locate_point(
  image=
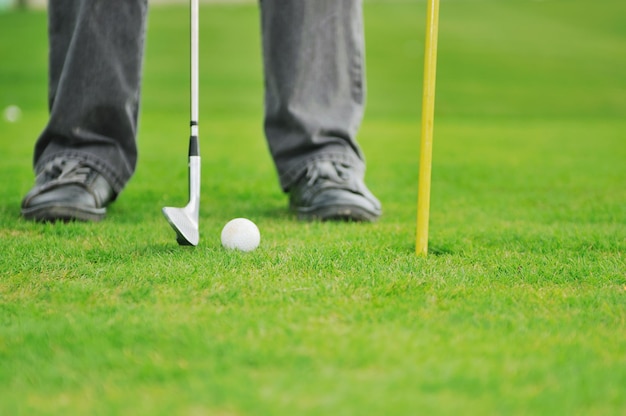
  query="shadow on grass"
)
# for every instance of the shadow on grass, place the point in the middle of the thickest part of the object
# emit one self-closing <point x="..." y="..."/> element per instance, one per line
<point x="441" y="250"/>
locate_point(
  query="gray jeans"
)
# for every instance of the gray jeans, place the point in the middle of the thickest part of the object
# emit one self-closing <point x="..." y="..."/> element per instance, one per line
<point x="314" y="83"/>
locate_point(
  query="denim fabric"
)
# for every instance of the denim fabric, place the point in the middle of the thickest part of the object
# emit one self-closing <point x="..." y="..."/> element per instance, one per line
<point x="95" y="59"/>
<point x="314" y="82"/>
<point x="314" y="79"/>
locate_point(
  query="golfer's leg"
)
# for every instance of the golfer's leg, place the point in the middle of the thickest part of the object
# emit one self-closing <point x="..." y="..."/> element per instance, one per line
<point x="314" y="80"/>
<point x="95" y="55"/>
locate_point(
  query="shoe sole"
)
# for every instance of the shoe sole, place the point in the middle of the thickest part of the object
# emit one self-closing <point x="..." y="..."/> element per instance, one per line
<point x="336" y="213"/>
<point x="53" y="213"/>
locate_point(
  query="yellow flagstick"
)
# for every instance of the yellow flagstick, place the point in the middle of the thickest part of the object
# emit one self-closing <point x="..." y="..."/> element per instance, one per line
<point x="428" y="115"/>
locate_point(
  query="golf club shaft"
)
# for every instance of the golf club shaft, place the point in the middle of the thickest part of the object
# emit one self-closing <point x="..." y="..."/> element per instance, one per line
<point x="193" y="145"/>
<point x="428" y="115"/>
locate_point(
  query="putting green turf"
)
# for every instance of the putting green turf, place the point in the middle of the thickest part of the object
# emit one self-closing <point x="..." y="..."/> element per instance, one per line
<point x="519" y="309"/>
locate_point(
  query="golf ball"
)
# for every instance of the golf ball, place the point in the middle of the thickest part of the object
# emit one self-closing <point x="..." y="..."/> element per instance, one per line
<point x="241" y="234"/>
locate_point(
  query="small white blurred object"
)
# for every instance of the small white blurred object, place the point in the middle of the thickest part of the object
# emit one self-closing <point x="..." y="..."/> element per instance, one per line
<point x="12" y="113"/>
<point x="6" y="4"/>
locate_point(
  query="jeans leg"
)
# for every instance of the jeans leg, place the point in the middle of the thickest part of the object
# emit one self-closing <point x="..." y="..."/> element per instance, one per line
<point x="314" y="82"/>
<point x="95" y="60"/>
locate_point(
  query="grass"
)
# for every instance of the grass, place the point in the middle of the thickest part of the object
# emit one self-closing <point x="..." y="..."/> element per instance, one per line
<point x="519" y="308"/>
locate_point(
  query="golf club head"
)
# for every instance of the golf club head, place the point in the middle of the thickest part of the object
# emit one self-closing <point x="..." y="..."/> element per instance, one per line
<point x="185" y="220"/>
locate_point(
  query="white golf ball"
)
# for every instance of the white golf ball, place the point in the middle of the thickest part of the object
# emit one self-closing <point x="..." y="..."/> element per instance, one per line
<point x="241" y="234"/>
<point x="12" y="113"/>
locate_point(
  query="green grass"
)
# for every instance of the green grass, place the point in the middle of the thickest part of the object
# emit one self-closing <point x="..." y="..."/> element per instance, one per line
<point x="519" y="309"/>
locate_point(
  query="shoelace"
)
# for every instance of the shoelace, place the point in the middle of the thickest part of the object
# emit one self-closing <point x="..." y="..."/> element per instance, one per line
<point x="333" y="171"/>
<point x="64" y="170"/>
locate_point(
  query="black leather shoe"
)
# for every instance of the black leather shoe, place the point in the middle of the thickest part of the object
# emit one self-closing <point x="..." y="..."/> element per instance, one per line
<point x="68" y="190"/>
<point x="332" y="191"/>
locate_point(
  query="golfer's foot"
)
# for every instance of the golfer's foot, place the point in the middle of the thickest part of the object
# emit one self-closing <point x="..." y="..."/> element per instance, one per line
<point x="332" y="191"/>
<point x="68" y="190"/>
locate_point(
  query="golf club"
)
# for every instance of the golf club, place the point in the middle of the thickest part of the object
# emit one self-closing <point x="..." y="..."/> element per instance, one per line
<point x="185" y="220"/>
<point x="428" y="115"/>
